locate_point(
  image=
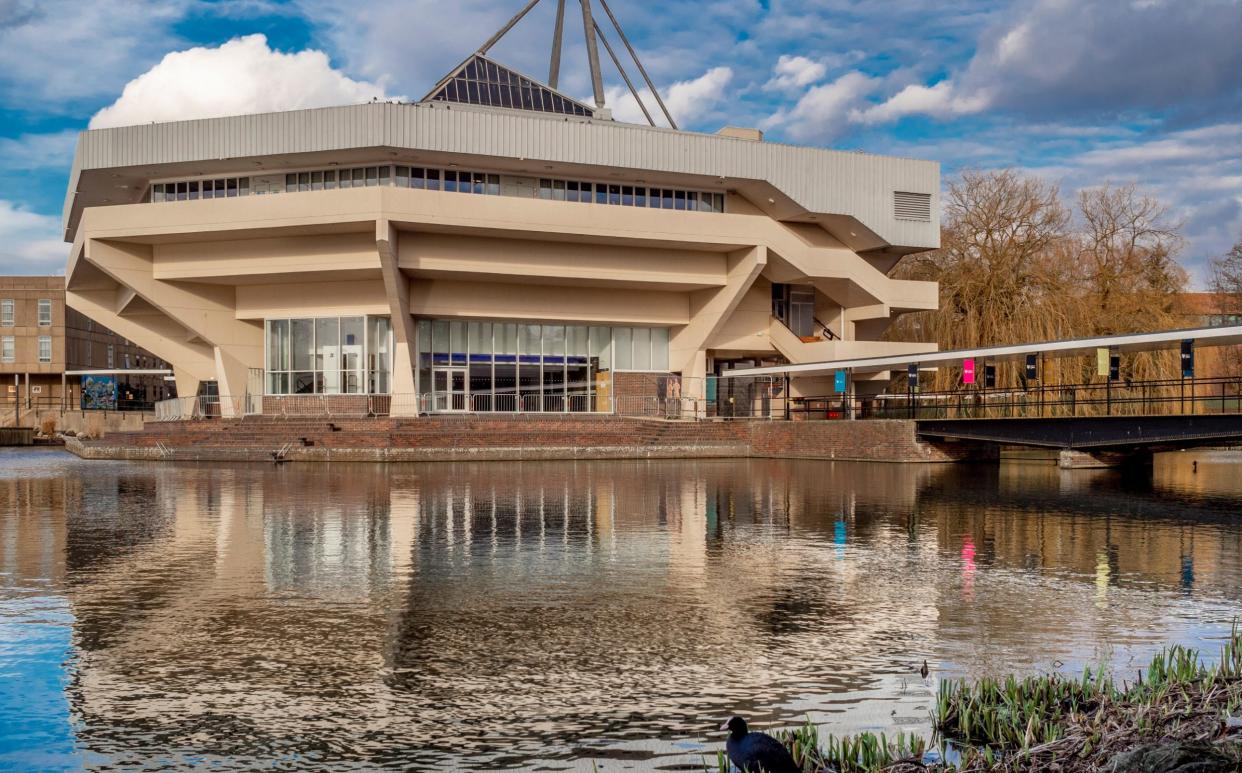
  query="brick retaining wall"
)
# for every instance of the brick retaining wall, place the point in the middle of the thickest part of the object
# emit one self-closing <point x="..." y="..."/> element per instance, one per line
<point x="495" y="438"/>
<point x="873" y="440"/>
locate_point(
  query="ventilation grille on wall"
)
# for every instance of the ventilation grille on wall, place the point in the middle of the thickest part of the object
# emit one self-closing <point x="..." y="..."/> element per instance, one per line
<point x="912" y="206"/>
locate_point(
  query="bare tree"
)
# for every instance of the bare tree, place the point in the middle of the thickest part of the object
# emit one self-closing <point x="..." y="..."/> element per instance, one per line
<point x="1002" y="277"/>
<point x="1226" y="286"/>
<point x="1128" y="249"/>
<point x="1226" y="281"/>
<point x="1012" y="269"/>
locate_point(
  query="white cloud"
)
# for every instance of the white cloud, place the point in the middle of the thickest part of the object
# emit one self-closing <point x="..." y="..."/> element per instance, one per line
<point x="1197" y="172"/>
<point x="939" y="100"/>
<point x="688" y="101"/>
<point x="1093" y="58"/>
<point x="795" y="72"/>
<point x="38" y="151"/>
<point x="239" y="77"/>
<point x="824" y="111"/>
<point x="60" y="52"/>
<point x="30" y="243"/>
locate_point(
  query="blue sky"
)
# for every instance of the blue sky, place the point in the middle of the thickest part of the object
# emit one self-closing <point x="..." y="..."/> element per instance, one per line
<point x="1082" y="92"/>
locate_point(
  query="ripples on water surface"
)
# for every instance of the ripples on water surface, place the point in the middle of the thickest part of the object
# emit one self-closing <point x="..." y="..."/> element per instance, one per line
<point x="545" y="615"/>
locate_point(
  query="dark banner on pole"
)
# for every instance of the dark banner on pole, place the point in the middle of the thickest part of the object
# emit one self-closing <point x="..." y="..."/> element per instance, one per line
<point x="989" y="376"/>
<point x="1188" y="359"/>
<point x="1032" y="368"/>
<point x="1114" y="367"/>
<point x="912" y="375"/>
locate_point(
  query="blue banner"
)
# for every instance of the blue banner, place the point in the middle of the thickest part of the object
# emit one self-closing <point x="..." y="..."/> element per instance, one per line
<point x="839" y="382"/>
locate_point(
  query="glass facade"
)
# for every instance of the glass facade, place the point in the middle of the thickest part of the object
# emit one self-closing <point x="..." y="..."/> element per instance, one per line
<point x="328" y="356"/>
<point x="481" y="81"/>
<point x="511" y="366"/>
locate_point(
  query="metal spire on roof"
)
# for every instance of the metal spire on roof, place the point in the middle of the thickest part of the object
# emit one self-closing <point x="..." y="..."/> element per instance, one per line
<point x="593" y="35"/>
<point x="554" y="68"/>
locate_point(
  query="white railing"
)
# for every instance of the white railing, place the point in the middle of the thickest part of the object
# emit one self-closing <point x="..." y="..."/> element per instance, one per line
<point x="188" y="408"/>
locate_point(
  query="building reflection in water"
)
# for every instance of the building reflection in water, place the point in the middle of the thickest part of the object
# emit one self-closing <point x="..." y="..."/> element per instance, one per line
<point x="495" y="614"/>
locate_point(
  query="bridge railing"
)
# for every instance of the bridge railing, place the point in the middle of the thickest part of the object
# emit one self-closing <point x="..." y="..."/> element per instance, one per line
<point x="1119" y="398"/>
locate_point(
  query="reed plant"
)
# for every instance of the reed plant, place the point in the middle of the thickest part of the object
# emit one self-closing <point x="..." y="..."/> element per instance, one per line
<point x="1053" y="722"/>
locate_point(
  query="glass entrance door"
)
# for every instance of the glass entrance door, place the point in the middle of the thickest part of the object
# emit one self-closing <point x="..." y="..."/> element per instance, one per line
<point x="450" y="390"/>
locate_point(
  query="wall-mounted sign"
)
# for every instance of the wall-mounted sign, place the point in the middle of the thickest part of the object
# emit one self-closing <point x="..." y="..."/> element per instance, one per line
<point x="968" y="371"/>
<point x="838" y="382"/>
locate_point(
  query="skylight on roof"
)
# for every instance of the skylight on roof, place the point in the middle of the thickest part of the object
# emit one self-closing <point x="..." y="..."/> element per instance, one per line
<point x="481" y="81"/>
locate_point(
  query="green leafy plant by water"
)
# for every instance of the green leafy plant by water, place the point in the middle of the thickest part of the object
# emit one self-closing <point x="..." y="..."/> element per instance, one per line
<point x="1054" y="722"/>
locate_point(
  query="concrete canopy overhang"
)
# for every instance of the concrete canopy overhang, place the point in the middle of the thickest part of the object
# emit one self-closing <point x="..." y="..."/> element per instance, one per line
<point x="844" y="193"/>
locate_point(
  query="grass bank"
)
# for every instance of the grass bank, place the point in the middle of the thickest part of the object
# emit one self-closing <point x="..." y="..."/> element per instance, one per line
<point x="1177" y="714"/>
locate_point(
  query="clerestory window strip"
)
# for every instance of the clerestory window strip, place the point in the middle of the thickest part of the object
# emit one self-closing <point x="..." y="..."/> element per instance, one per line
<point x="440" y="179"/>
<point x="617" y="194"/>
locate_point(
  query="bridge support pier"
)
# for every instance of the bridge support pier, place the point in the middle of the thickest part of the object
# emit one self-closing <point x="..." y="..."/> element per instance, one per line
<point x="1070" y="459"/>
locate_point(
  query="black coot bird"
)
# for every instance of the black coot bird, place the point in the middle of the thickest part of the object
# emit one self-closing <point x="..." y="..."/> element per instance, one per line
<point x="755" y="752"/>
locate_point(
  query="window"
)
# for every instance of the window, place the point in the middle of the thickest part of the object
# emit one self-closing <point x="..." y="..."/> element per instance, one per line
<point x="508" y="366"/>
<point x="328" y="355"/>
<point x="45" y="348"/>
<point x="629" y="195"/>
<point x="45" y="312"/>
<point x="226" y="187"/>
<point x="8" y="349"/>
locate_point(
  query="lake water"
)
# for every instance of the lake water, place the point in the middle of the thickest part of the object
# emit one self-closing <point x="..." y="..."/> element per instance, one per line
<point x="552" y="616"/>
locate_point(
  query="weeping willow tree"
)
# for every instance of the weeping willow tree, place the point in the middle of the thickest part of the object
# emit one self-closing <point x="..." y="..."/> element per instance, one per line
<point x="1016" y="265"/>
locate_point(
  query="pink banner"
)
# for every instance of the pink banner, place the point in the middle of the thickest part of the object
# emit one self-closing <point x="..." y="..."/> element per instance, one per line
<point x="968" y="371"/>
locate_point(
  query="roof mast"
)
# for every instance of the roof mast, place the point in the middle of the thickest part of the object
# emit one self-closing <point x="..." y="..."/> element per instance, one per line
<point x="481" y="81"/>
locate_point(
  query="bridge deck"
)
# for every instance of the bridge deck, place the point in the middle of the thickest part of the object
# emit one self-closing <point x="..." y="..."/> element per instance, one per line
<point x="1162" y="432"/>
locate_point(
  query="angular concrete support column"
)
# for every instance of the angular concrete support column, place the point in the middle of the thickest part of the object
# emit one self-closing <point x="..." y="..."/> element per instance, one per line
<point x="207" y="311"/>
<point x="709" y="311"/>
<point x="154" y="332"/>
<point x="231" y="379"/>
<point x="404" y="332"/>
<point x="187" y="382"/>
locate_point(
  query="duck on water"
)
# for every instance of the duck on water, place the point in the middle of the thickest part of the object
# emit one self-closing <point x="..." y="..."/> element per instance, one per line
<point x="754" y="752"/>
